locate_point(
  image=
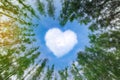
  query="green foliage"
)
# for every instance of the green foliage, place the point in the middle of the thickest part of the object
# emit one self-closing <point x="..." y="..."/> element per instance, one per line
<point x="17" y="55"/>
<point x="63" y="74"/>
<point x="39" y="70"/>
<point x="98" y="12"/>
<point x="99" y="61"/>
<point x="75" y="71"/>
<point x="51" y="8"/>
<point x="40" y="7"/>
<point x="49" y="73"/>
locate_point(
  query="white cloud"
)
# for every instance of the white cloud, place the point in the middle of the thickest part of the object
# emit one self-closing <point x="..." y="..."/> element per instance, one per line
<point x="60" y="43"/>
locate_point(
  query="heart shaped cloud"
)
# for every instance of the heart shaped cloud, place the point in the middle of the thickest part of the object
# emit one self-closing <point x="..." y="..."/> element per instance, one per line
<point x="60" y="43"/>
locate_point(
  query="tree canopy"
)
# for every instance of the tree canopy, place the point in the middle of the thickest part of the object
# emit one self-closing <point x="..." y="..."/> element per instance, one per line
<point x="99" y="61"/>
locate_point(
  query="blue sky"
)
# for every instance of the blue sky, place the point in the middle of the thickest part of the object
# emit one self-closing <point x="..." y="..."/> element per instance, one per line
<point x="47" y="23"/>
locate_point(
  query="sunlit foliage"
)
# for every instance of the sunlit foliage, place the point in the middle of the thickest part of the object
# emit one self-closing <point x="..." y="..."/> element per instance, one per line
<point x="18" y="52"/>
<point x="16" y="34"/>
